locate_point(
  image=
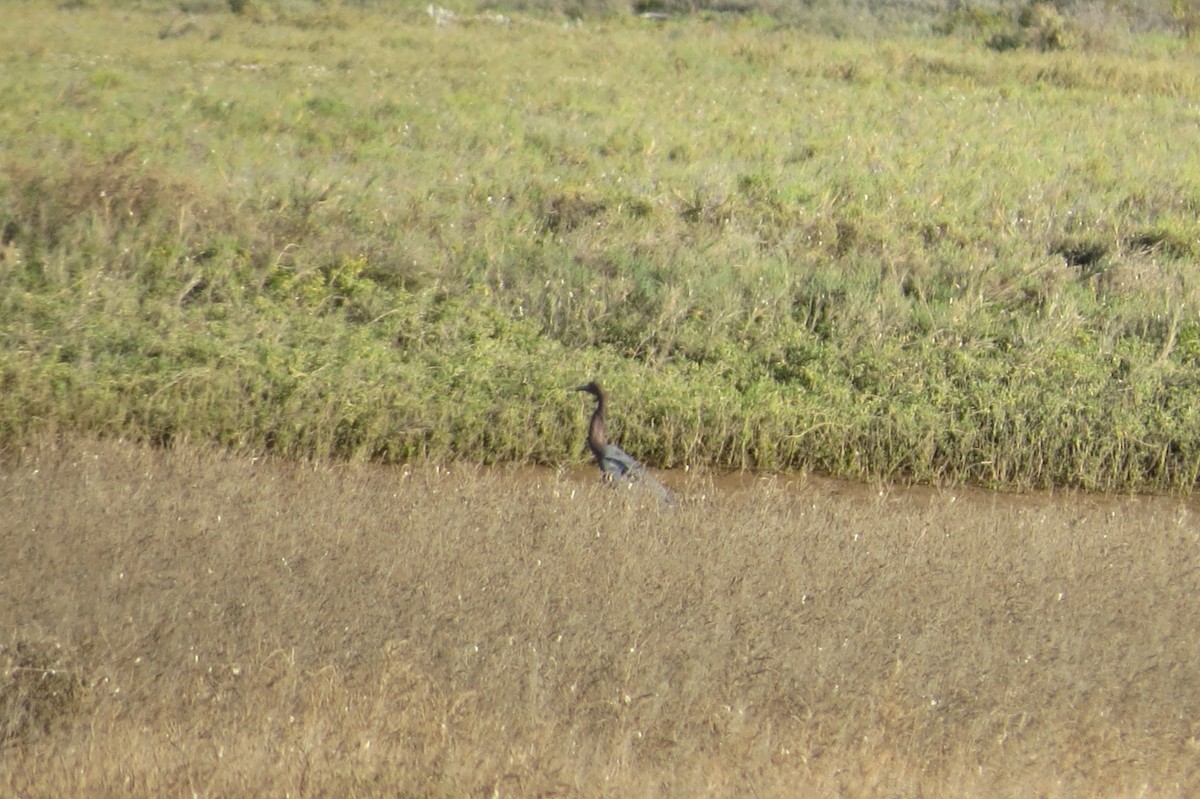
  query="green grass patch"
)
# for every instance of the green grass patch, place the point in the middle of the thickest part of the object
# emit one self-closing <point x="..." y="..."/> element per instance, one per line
<point x="354" y="232"/>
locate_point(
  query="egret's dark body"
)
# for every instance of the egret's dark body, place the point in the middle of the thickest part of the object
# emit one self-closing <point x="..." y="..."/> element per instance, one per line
<point x="615" y="463"/>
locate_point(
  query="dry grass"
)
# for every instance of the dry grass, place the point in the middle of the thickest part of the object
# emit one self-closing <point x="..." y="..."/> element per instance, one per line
<point x="185" y="623"/>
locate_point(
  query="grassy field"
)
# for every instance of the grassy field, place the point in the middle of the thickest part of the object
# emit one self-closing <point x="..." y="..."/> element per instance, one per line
<point x="186" y="623"/>
<point x="332" y="230"/>
<point x="291" y="295"/>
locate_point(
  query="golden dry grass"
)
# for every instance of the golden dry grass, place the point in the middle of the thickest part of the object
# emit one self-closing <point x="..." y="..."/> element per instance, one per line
<point x="186" y="623"/>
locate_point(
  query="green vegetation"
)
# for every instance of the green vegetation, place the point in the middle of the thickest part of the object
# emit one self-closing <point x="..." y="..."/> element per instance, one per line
<point x="348" y="231"/>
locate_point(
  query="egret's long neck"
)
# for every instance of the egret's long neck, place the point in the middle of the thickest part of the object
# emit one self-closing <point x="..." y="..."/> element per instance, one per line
<point x="596" y="437"/>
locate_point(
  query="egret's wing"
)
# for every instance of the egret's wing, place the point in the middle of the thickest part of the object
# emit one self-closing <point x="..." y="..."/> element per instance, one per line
<point x="620" y="465"/>
<point x="617" y="463"/>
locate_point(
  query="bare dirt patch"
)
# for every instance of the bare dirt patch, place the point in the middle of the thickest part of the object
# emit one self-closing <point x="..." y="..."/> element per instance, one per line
<point x="220" y="626"/>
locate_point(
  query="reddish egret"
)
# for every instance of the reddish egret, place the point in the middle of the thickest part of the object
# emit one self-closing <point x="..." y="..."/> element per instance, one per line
<point x="615" y="463"/>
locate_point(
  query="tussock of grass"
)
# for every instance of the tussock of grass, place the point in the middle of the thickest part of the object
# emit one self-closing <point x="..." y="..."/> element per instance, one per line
<point x="233" y="626"/>
<point x="38" y="693"/>
<point x="343" y="232"/>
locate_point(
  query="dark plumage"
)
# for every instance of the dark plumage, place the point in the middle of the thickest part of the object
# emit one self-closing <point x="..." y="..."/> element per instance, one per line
<point x="615" y="463"/>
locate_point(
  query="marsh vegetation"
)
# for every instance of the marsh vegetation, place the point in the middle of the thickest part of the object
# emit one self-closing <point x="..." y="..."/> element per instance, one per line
<point x="185" y="622"/>
<point x="344" y="230"/>
<point x="291" y="297"/>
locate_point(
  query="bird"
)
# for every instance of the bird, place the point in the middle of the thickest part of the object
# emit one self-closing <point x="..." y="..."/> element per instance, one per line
<point x="617" y="465"/>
